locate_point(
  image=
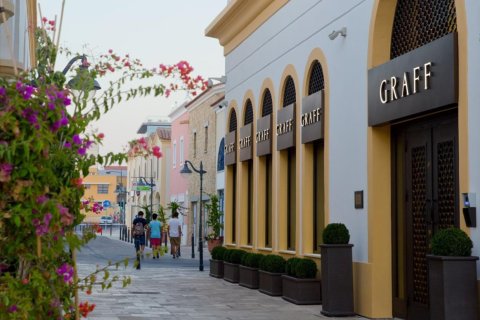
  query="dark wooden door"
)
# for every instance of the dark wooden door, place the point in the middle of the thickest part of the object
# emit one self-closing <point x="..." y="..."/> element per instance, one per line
<point x="431" y="200"/>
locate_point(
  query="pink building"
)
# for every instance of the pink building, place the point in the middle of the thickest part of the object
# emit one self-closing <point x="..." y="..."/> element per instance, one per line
<point x="178" y="184"/>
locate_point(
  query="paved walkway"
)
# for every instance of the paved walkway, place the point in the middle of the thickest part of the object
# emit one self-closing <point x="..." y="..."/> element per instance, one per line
<point x="169" y="288"/>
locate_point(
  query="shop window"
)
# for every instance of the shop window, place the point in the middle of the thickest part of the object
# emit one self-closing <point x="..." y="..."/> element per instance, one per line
<point x="221" y="156"/>
<point x="267" y="108"/>
<point x="102" y="188"/>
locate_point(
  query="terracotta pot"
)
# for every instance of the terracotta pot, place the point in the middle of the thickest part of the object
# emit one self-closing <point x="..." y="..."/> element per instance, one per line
<point x="212" y="243"/>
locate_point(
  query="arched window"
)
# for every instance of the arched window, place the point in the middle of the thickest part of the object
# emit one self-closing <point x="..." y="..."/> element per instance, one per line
<point x="289" y="94"/>
<point x="267" y="105"/>
<point x="267" y="108"/>
<point x="316" y="82"/>
<point x="249" y="163"/>
<point x="221" y="156"/>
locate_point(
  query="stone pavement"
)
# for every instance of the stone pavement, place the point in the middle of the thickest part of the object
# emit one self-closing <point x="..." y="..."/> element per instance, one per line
<point x="169" y="288"/>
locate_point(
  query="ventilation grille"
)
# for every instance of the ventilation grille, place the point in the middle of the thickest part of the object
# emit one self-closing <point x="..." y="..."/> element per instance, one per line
<point x="233" y="121"/>
<point x="289" y="95"/>
<point x="418" y="22"/>
<point x="248" y="112"/>
<point x="316" y="82"/>
<point x="267" y="103"/>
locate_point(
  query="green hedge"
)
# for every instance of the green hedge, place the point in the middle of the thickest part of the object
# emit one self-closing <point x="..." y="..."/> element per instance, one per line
<point x="290" y="266"/>
<point x="302" y="268"/>
<point x="218" y="253"/>
<point x="251" y="260"/>
<point x="272" y="263"/>
<point x="451" y="242"/>
<point x="235" y="256"/>
<point x="336" y="233"/>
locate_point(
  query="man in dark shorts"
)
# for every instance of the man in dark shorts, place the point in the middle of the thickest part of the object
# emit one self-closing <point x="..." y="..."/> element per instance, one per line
<point x="138" y="234"/>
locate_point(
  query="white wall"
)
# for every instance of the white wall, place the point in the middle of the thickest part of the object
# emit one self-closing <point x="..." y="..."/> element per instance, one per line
<point x="288" y="37"/>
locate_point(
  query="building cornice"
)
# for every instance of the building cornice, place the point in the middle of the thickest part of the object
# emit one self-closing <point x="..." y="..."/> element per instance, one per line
<point x="239" y="20"/>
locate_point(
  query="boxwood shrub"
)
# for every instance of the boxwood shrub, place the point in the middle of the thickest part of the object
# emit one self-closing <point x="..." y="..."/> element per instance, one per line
<point x="218" y="253"/>
<point x="226" y="254"/>
<point x="272" y="263"/>
<point x="251" y="259"/>
<point x="336" y="233"/>
<point x="290" y="266"/>
<point x="235" y="256"/>
<point x="305" y="269"/>
<point x="451" y="242"/>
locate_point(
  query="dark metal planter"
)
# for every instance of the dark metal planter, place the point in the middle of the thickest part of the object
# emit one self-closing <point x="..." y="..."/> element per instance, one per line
<point x="230" y="272"/>
<point x="216" y="268"/>
<point x="270" y="283"/>
<point x="301" y="291"/>
<point x="337" y="280"/>
<point x="452" y="287"/>
<point x="248" y="277"/>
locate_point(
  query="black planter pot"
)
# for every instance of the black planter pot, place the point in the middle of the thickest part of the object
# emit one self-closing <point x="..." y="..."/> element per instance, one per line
<point x="452" y="287"/>
<point x="337" y="280"/>
<point x="301" y="291"/>
<point x="270" y="283"/>
<point x="230" y="272"/>
<point x="248" y="277"/>
<point x="216" y="268"/>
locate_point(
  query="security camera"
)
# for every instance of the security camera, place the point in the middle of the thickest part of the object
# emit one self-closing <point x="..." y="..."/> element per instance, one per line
<point x="223" y="104"/>
<point x="334" y="34"/>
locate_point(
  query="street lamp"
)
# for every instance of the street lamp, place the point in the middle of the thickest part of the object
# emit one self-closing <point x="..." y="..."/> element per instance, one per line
<point x="150" y="184"/>
<point x="122" y="194"/>
<point x="185" y="171"/>
<point x="82" y="82"/>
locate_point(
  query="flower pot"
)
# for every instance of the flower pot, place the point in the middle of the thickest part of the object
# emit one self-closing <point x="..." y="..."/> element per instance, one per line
<point x="248" y="277"/>
<point x="270" y="283"/>
<point x="337" y="280"/>
<point x="230" y="272"/>
<point x="452" y="287"/>
<point x="301" y="291"/>
<point x="216" y="268"/>
<point x="212" y="243"/>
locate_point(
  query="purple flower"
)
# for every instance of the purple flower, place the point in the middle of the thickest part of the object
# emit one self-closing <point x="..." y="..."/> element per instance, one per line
<point x="31" y="116"/>
<point x="77" y="139"/>
<point x="67" y="145"/>
<point x="82" y="151"/>
<point x="13" y="308"/>
<point x="87" y="143"/>
<point x="67" y="102"/>
<point x="55" y="126"/>
<point x="42" y="199"/>
<point x="66" y="271"/>
<point x="3" y="91"/>
<point x="42" y="228"/>
<point x="5" y="171"/>
<point x="25" y="90"/>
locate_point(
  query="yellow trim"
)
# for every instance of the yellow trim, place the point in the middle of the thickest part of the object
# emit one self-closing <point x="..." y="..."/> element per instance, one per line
<point x="259" y="173"/>
<point x="32" y="23"/>
<point x="307" y="151"/>
<point x="240" y="19"/>
<point x="229" y="186"/>
<point x="242" y="178"/>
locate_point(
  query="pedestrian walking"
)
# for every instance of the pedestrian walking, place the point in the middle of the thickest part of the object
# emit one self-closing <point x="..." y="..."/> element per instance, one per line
<point x="175" y="232"/>
<point x="138" y="234"/>
<point x="155" y="228"/>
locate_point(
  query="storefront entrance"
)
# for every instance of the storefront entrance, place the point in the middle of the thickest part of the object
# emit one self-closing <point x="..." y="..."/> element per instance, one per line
<point x="425" y="194"/>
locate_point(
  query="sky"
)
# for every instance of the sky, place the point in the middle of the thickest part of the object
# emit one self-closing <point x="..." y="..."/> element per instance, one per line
<point x="154" y="31"/>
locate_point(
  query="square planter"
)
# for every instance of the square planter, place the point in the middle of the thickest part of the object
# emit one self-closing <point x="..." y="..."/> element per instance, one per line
<point x="248" y="277"/>
<point x="270" y="283"/>
<point x="301" y="291"/>
<point x="230" y="272"/>
<point x="337" y="280"/>
<point x="452" y="287"/>
<point x="216" y="268"/>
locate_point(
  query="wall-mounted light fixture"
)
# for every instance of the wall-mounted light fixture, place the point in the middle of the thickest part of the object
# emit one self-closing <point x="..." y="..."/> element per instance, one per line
<point x="223" y="104"/>
<point x="335" y="33"/>
<point x="221" y="79"/>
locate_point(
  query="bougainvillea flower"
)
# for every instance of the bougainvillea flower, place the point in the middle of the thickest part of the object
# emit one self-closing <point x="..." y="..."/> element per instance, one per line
<point x="42" y="199"/>
<point x="13" y="308"/>
<point x="5" y="172"/>
<point x="157" y="152"/>
<point x="66" y="271"/>
<point x="82" y="151"/>
<point x="25" y="90"/>
<point x="100" y="136"/>
<point x="85" y="308"/>
<point x="66" y="218"/>
<point x="77" y="182"/>
<point x="77" y="139"/>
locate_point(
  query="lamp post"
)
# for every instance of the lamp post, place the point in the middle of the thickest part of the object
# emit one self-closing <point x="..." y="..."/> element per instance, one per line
<point x="151" y="185"/>
<point x="122" y="194"/>
<point x="186" y="171"/>
<point x="82" y="82"/>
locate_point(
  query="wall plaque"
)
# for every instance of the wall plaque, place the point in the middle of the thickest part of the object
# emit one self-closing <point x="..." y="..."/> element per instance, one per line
<point x="311" y="120"/>
<point x="245" y="143"/>
<point x="285" y="129"/>
<point x="231" y="148"/>
<point x="263" y="136"/>
<point x="422" y="80"/>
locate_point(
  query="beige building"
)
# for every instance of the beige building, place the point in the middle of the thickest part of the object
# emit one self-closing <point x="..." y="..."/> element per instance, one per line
<point x="202" y="148"/>
<point x="100" y="188"/>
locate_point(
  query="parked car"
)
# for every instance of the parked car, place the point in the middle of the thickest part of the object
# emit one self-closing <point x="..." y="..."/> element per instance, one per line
<point x="106" y="219"/>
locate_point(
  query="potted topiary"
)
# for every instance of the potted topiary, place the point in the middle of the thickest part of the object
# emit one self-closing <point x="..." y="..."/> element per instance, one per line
<point x="271" y="269"/>
<point x="214" y="222"/>
<point x="337" y="271"/>
<point x="299" y="284"/>
<point x="248" y="270"/>
<point x="452" y="275"/>
<point x="216" y="262"/>
<point x="230" y="265"/>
